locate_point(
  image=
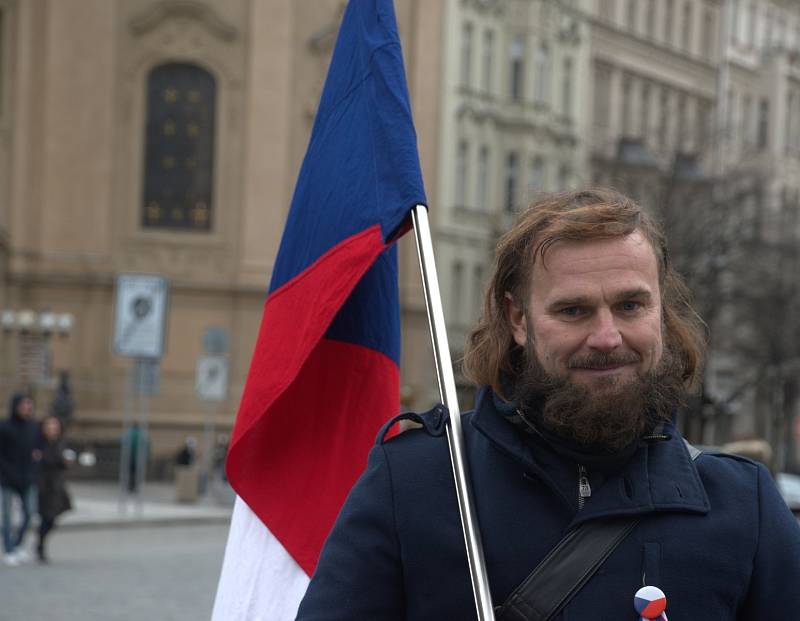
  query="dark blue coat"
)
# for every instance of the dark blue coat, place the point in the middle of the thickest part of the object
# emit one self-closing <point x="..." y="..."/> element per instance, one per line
<point x="715" y="536"/>
<point x="19" y="437"/>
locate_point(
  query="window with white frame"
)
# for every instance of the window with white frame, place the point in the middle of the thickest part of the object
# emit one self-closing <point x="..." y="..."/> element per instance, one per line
<point x="632" y="14"/>
<point x="512" y="180"/>
<point x="488" y="60"/>
<point x="541" y="88"/>
<point x="752" y="20"/>
<point x="537" y="172"/>
<point x="466" y="54"/>
<point x="517" y="67"/>
<point x="482" y="178"/>
<point x="567" y="79"/>
<point x="645" y="112"/>
<point x="669" y="21"/>
<point x="730" y="122"/>
<point x="663" y="119"/>
<point x="564" y="177"/>
<point x="780" y="29"/>
<point x="790" y="120"/>
<point x="456" y="290"/>
<point x="708" y="38"/>
<point x="627" y="105"/>
<point x="477" y="288"/>
<point x="687" y="27"/>
<point x="683" y="121"/>
<point x="763" y="123"/>
<point x="602" y="94"/>
<point x="704" y="122"/>
<point x="746" y="122"/>
<point x="766" y="38"/>
<point x="650" y="17"/>
<point x="462" y="163"/>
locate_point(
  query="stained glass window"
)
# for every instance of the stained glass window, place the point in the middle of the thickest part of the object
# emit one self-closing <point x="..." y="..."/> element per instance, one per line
<point x="179" y="148"/>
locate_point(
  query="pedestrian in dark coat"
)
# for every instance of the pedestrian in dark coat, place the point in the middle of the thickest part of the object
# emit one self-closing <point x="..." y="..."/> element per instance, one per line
<point x="63" y="405"/>
<point x="53" y="496"/>
<point x="585" y="347"/>
<point x="19" y="453"/>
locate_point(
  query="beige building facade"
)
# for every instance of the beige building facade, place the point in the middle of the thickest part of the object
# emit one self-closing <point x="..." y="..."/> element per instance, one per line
<point x="88" y="191"/>
<point x="654" y="86"/>
<point x="510" y="98"/>
<point x="511" y="127"/>
<point x="693" y="108"/>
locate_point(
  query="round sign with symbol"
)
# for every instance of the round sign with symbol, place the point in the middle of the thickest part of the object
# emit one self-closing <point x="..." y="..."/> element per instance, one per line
<point x="211" y="379"/>
<point x="141" y="306"/>
<point x="140" y="315"/>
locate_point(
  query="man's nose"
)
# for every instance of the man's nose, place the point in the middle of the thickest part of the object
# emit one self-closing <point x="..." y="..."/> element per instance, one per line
<point x="605" y="335"/>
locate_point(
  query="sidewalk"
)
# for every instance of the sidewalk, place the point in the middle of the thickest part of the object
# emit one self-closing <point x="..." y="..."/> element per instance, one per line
<point x="98" y="504"/>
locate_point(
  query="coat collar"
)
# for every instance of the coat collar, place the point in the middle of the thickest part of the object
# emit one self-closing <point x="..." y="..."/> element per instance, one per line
<point x="660" y="477"/>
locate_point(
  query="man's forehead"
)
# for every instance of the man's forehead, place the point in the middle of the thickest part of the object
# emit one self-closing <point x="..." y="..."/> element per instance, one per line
<point x="634" y="245"/>
<point x="630" y="260"/>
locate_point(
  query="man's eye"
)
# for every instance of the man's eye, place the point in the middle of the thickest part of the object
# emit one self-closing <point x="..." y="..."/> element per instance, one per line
<point x="630" y="307"/>
<point x="571" y="311"/>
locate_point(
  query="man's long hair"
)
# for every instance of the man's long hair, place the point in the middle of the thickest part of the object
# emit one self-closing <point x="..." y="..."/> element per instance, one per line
<point x="491" y="352"/>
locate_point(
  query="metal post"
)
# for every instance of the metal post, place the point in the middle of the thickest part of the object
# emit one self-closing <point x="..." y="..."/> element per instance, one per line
<point x="141" y="457"/>
<point x="125" y="439"/>
<point x="447" y="392"/>
<point x="208" y="448"/>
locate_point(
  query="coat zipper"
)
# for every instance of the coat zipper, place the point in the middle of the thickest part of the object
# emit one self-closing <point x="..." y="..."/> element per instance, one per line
<point x="584" y="489"/>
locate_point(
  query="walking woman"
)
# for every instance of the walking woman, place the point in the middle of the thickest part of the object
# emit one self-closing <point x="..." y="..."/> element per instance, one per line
<point x="53" y="497"/>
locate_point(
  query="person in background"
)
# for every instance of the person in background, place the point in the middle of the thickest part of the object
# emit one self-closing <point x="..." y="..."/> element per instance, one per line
<point x="63" y="403"/>
<point x="53" y="496"/>
<point x="19" y="453"/>
<point x="186" y="455"/>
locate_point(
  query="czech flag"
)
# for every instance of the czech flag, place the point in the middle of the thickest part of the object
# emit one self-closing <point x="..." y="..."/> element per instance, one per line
<point x="324" y="376"/>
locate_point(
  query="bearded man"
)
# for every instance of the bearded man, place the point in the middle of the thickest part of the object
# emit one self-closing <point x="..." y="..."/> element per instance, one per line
<point x="586" y="346"/>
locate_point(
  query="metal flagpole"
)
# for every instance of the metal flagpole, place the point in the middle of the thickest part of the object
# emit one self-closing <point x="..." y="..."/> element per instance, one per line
<point x="447" y="392"/>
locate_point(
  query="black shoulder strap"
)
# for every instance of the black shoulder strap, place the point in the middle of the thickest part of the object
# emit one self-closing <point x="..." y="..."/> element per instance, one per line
<point x="568" y="566"/>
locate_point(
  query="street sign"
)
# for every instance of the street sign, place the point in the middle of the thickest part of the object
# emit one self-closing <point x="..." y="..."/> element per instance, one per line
<point x="140" y="313"/>
<point x="215" y="341"/>
<point x="148" y="376"/>
<point x="211" y="379"/>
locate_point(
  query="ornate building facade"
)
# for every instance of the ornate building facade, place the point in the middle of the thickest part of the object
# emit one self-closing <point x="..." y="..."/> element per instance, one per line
<point x="164" y="137"/>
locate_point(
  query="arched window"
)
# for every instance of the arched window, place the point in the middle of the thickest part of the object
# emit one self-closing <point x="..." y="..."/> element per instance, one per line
<point x="179" y="148"/>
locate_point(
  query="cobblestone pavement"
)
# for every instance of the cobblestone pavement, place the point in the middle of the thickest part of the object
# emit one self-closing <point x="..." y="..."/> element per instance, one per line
<point x="167" y="573"/>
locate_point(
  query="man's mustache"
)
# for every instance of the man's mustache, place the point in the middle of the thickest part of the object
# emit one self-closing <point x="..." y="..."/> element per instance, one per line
<point x="600" y="360"/>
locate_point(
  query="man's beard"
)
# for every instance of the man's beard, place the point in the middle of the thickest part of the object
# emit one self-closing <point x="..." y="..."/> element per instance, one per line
<point x="610" y="413"/>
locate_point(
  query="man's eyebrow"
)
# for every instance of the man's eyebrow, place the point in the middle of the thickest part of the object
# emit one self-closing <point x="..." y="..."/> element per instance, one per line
<point x="579" y="300"/>
<point x="639" y="293"/>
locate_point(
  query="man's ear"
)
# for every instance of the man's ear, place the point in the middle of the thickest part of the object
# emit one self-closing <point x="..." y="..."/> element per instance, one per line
<point x="515" y="315"/>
